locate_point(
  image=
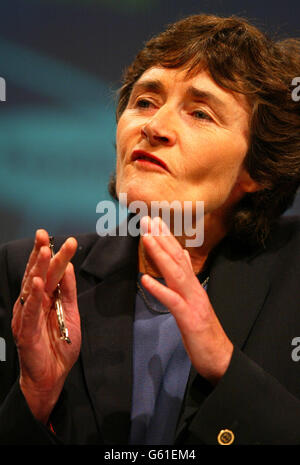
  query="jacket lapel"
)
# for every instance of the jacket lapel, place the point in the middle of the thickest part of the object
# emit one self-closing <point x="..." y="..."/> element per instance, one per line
<point x="237" y="289"/>
<point x="107" y="312"/>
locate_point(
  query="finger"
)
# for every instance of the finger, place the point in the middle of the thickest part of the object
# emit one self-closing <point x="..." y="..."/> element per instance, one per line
<point x="169" y="298"/>
<point x="189" y="259"/>
<point x="149" y="227"/>
<point x="189" y="315"/>
<point x="174" y="249"/>
<point x="31" y="312"/>
<point x="170" y="244"/>
<point x="174" y="275"/>
<point x="173" y="265"/>
<point x="59" y="264"/>
<point x="41" y="239"/>
<point x="158" y="229"/>
<point x="39" y="269"/>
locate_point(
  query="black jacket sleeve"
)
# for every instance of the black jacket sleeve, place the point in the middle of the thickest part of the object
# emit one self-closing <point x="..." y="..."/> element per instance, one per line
<point x="17" y="424"/>
<point x="250" y="403"/>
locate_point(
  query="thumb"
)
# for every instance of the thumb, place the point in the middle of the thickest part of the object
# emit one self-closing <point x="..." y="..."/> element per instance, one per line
<point x="68" y="285"/>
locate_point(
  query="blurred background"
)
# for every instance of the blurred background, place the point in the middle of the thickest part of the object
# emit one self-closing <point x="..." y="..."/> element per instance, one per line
<point x="62" y="61"/>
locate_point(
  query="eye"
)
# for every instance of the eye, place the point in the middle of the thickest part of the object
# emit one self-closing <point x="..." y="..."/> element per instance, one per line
<point x="199" y="114"/>
<point x="143" y="103"/>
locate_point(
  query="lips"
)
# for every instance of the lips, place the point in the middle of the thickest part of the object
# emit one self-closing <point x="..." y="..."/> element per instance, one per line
<point x="141" y="155"/>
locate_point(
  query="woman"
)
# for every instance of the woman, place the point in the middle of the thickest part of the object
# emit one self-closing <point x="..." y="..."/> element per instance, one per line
<point x="177" y="345"/>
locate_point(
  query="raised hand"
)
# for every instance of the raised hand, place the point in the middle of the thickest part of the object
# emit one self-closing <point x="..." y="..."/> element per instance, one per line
<point x="205" y="341"/>
<point x="45" y="359"/>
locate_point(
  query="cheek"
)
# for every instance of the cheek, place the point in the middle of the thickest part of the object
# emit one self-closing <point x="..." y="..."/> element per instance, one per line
<point x="120" y="143"/>
<point x="128" y="129"/>
<point x="215" y="165"/>
<point x="125" y="140"/>
<point x="227" y="156"/>
<point x="120" y="137"/>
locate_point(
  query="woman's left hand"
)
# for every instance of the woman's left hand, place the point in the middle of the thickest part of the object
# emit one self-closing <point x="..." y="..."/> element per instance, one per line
<point x="204" y="339"/>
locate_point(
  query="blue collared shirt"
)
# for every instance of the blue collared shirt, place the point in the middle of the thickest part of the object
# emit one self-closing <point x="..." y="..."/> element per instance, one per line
<point x="161" y="370"/>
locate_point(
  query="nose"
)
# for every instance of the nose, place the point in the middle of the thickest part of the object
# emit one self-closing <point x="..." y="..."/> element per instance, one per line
<point x="160" y="128"/>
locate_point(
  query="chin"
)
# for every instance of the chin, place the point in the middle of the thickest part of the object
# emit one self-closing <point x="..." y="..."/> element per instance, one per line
<point x="135" y="192"/>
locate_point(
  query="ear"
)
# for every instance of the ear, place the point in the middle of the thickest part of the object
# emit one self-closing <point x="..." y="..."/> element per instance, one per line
<point x="246" y="183"/>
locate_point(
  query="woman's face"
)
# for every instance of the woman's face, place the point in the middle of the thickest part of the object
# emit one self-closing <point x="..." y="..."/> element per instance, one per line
<point x="197" y="131"/>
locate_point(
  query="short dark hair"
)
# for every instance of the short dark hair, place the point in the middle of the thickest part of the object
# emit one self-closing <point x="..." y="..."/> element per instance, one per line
<point x="243" y="59"/>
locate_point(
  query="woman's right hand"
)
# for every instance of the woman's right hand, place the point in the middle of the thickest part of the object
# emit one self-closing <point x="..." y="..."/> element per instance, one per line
<point x="45" y="359"/>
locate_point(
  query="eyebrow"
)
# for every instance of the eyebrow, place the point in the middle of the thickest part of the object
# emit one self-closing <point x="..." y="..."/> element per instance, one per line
<point x="157" y="87"/>
<point x="210" y="97"/>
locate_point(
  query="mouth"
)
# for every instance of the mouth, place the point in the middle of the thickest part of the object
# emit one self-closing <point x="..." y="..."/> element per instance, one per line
<point x="141" y="156"/>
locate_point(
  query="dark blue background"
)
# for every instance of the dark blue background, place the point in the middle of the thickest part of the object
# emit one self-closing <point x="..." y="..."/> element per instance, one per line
<point x="62" y="61"/>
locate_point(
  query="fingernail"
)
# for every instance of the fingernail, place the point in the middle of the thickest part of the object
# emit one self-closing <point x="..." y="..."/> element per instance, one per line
<point x="155" y="226"/>
<point x="144" y="225"/>
<point x="164" y="228"/>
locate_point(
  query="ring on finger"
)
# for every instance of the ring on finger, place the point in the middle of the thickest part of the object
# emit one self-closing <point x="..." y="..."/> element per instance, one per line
<point x="22" y="300"/>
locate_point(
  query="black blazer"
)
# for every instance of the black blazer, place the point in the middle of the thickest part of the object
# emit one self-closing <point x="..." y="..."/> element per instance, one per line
<point x="256" y="297"/>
